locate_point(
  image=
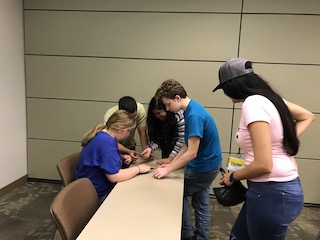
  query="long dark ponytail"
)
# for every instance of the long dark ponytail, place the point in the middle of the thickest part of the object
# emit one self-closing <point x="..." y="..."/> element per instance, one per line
<point x="252" y="84"/>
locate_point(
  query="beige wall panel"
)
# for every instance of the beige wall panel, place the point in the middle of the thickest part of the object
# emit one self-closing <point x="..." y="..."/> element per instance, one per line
<point x="296" y="83"/>
<point x="63" y="120"/>
<point x="138" y="5"/>
<point x="281" y="38"/>
<point x="103" y="79"/>
<point x="44" y="155"/>
<point x="143" y="35"/>
<point x="222" y="118"/>
<point x="199" y="81"/>
<point x="283" y="6"/>
<point x="310" y="177"/>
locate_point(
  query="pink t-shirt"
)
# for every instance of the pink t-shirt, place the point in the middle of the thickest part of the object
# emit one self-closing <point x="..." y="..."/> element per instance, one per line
<point x="259" y="108"/>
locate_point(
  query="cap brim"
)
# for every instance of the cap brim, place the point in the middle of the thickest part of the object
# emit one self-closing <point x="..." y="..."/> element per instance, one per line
<point x="216" y="88"/>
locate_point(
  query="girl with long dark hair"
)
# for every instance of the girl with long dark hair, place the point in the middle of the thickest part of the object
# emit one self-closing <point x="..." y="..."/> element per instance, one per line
<point x="165" y="131"/>
<point x="268" y="134"/>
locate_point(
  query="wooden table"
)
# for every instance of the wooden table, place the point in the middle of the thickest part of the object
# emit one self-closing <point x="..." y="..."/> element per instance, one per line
<point x="140" y="208"/>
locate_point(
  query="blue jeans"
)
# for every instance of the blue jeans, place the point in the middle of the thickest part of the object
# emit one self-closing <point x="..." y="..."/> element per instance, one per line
<point x="269" y="209"/>
<point x="197" y="185"/>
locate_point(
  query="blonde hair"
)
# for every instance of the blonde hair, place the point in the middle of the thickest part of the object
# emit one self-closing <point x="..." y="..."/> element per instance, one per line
<point x="91" y="133"/>
<point x="119" y="120"/>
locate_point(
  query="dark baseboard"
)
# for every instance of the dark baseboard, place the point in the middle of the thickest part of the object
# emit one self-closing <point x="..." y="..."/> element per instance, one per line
<point x="317" y="205"/>
<point x="45" y="180"/>
<point x="18" y="183"/>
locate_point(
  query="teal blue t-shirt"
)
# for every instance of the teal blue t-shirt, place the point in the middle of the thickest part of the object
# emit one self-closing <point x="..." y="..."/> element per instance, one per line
<point x="199" y="123"/>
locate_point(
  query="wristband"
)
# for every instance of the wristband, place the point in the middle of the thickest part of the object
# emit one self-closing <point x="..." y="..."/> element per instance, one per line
<point x="153" y="146"/>
<point x="139" y="169"/>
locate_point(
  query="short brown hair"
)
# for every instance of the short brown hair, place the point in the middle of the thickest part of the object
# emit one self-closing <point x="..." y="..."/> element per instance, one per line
<point x="170" y="88"/>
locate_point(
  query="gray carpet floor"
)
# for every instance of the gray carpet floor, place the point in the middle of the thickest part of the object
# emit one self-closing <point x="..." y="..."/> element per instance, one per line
<point x="24" y="215"/>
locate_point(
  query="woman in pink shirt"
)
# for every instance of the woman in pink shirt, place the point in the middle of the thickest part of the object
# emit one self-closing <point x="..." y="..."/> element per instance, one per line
<point x="268" y="134"/>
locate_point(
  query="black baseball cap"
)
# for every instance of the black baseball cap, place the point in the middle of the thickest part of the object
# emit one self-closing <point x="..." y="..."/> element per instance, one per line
<point x="233" y="68"/>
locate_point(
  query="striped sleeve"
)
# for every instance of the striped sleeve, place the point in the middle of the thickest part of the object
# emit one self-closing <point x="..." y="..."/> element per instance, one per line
<point x="180" y="128"/>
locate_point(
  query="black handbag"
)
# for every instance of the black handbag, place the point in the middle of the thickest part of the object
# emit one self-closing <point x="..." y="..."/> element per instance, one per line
<point x="231" y="195"/>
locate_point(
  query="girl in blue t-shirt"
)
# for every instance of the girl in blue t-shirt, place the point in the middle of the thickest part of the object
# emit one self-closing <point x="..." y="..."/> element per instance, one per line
<point x="100" y="159"/>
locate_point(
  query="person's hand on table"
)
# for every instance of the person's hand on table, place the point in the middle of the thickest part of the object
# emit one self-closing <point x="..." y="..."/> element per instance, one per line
<point x="127" y="159"/>
<point x="161" y="171"/>
<point x="164" y="161"/>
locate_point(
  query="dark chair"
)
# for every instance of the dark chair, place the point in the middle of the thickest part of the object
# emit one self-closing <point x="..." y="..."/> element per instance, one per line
<point x="73" y="207"/>
<point x="67" y="168"/>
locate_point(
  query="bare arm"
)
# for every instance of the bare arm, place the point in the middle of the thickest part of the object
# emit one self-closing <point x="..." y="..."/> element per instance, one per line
<point x="185" y="155"/>
<point x="302" y="116"/>
<point x="182" y="150"/>
<point x="143" y="137"/>
<point x="190" y="154"/>
<point x="128" y="173"/>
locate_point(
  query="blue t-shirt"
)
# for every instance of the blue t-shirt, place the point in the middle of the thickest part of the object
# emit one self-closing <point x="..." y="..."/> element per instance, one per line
<point x="199" y="123"/>
<point x="100" y="157"/>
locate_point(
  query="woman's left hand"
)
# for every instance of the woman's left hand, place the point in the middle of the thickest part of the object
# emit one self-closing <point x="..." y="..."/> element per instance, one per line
<point x="225" y="180"/>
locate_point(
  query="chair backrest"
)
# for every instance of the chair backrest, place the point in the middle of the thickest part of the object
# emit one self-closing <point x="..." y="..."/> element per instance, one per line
<point x="73" y="207"/>
<point x="67" y="168"/>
